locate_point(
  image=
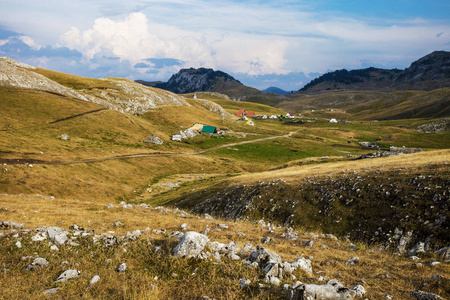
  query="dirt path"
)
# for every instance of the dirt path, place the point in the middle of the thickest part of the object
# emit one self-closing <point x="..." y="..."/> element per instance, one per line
<point x="157" y="154"/>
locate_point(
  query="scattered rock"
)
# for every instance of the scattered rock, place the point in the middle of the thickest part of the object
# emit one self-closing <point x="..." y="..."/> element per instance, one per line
<point x="121" y="268"/>
<point x="153" y="139"/>
<point x="37" y="264"/>
<point x="52" y="291"/>
<point x="308" y="243"/>
<point x="266" y="240"/>
<point x="94" y="279"/>
<point x="118" y="224"/>
<point x="418" y="248"/>
<point x="420" y="295"/>
<point x="10" y="225"/>
<point x="68" y="274"/>
<point x="352" y="261"/>
<point x="57" y="235"/>
<point x="191" y="244"/>
<point x="243" y="283"/>
<point x="444" y="253"/>
<point x="332" y="290"/>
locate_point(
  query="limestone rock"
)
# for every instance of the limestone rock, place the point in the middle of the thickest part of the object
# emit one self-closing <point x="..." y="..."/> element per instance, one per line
<point x="52" y="291"/>
<point x="68" y="274"/>
<point x="263" y="256"/>
<point x="303" y="264"/>
<point x="121" y="268"/>
<point x="352" y="261"/>
<point x="153" y="139"/>
<point x="10" y="225"/>
<point x="191" y="244"/>
<point x="420" y="295"/>
<point x="444" y="253"/>
<point x="243" y="283"/>
<point x="57" y="235"/>
<point x="94" y="279"/>
<point x="37" y="264"/>
<point x="332" y="290"/>
<point x="418" y="248"/>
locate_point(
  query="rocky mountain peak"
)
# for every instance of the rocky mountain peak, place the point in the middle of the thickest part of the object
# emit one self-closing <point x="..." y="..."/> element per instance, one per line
<point x="196" y="80"/>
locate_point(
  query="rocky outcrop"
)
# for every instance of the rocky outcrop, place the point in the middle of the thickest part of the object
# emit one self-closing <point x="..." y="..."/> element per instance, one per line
<point x="121" y="94"/>
<point x="191" y="244"/>
<point x="332" y="290"/>
<point x="13" y="73"/>
<point x="435" y="127"/>
<point x="214" y="107"/>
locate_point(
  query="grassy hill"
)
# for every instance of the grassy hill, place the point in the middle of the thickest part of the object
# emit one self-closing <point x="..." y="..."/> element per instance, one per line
<point x="296" y="167"/>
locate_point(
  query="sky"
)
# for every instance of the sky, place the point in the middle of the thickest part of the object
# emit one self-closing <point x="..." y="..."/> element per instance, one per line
<point x="261" y="43"/>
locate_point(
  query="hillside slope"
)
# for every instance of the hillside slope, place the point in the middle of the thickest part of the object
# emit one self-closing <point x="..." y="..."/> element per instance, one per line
<point x="118" y="94"/>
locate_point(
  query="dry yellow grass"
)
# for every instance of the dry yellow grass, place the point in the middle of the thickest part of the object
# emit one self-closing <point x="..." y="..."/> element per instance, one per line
<point x="140" y="282"/>
<point x="385" y="163"/>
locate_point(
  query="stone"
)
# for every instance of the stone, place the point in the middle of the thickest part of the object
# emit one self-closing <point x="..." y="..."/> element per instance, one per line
<point x="118" y="224"/>
<point x="94" y="279"/>
<point x="184" y="226"/>
<point x="121" y="268"/>
<point x="37" y="264"/>
<point x="352" y="261"/>
<point x="52" y="291"/>
<point x="18" y="244"/>
<point x="243" y="283"/>
<point x="266" y="240"/>
<point x="274" y="281"/>
<point x="418" y="248"/>
<point x="420" y="295"/>
<point x="222" y="226"/>
<point x="263" y="256"/>
<point x="10" y="225"/>
<point x="404" y="240"/>
<point x="359" y="290"/>
<point x="110" y="240"/>
<point x="54" y="248"/>
<point x="57" y="235"/>
<point x="444" y="253"/>
<point x="153" y="139"/>
<point x="332" y="290"/>
<point x="68" y="274"/>
<point x="308" y="243"/>
<point x="303" y="264"/>
<point x="191" y="244"/>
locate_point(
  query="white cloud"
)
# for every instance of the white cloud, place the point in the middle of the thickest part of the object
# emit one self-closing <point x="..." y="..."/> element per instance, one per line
<point x="135" y="40"/>
<point x="30" y="42"/>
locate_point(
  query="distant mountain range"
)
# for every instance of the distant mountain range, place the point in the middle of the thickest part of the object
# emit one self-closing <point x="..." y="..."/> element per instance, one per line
<point x="275" y="90"/>
<point x="428" y="73"/>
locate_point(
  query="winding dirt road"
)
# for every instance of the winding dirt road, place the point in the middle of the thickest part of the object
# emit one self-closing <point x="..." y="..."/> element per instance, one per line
<point x="157" y="154"/>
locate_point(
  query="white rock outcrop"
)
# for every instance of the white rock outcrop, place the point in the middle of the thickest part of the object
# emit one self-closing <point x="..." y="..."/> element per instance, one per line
<point x="191" y="244"/>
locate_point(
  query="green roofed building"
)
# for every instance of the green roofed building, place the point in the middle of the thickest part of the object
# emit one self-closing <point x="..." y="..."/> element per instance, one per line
<point x="209" y="129"/>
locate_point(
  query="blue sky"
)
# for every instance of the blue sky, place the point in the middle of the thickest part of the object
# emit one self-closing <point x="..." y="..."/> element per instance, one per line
<point x="261" y="43"/>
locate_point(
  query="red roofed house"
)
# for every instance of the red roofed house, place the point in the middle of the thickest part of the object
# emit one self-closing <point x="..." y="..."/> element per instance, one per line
<point x="250" y="114"/>
<point x="240" y="112"/>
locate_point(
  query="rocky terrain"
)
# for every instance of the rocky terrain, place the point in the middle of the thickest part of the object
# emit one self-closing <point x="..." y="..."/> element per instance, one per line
<point x="61" y="259"/>
<point x="114" y="93"/>
<point x="396" y="209"/>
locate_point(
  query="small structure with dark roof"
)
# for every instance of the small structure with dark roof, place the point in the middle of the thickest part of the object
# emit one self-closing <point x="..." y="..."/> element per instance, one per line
<point x="209" y="129"/>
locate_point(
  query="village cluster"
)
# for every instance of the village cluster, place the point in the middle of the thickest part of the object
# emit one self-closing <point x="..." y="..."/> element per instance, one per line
<point x="245" y="116"/>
